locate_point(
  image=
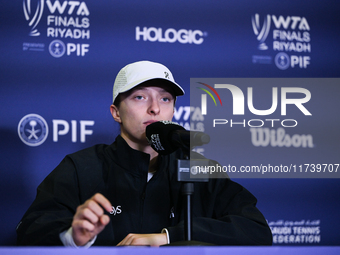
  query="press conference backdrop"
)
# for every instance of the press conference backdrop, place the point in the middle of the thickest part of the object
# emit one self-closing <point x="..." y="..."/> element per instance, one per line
<point x="59" y="60"/>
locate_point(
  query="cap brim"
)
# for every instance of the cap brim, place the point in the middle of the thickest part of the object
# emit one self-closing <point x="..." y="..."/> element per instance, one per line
<point x="179" y="91"/>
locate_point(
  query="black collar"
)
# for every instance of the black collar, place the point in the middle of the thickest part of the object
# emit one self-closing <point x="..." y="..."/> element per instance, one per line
<point x="133" y="161"/>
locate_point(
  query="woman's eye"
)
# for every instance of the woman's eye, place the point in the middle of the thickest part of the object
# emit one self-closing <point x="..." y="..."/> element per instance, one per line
<point x="139" y="97"/>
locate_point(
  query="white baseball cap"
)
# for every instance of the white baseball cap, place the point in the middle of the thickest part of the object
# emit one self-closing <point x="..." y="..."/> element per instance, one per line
<point x="136" y="73"/>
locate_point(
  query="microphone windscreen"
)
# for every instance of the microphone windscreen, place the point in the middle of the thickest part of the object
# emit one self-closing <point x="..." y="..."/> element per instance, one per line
<point x="159" y="136"/>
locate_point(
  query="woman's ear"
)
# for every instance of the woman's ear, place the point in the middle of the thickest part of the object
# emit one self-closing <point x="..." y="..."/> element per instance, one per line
<point x="115" y="113"/>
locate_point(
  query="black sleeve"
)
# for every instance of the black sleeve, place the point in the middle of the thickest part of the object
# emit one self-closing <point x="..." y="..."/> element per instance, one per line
<point x="225" y="213"/>
<point x="53" y="208"/>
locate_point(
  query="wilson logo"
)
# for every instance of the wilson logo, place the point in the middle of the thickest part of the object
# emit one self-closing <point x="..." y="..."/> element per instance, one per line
<point x="278" y="138"/>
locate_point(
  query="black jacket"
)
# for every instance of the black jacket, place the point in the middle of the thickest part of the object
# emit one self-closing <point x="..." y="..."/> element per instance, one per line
<point x="224" y="213"/>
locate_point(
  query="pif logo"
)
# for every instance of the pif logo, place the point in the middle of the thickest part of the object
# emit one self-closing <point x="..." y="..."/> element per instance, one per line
<point x="33" y="129"/>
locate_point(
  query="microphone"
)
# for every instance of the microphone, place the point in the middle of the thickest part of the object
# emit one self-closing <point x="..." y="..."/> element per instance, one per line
<point x="166" y="136"/>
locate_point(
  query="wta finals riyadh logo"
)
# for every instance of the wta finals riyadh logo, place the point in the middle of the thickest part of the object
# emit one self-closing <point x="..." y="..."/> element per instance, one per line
<point x="204" y="97"/>
<point x="33" y="16"/>
<point x="33" y="130"/>
<point x="261" y="35"/>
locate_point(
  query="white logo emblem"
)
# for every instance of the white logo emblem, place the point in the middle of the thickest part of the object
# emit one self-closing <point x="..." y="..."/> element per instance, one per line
<point x="282" y="61"/>
<point x="33" y="17"/>
<point x="57" y="48"/>
<point x="194" y="170"/>
<point x="172" y="212"/>
<point x="261" y="35"/>
<point x="117" y="210"/>
<point x="33" y="130"/>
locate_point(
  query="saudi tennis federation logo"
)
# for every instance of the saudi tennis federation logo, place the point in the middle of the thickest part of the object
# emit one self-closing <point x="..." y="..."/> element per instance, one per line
<point x="33" y="130"/>
<point x="204" y="97"/>
<point x="57" y="48"/>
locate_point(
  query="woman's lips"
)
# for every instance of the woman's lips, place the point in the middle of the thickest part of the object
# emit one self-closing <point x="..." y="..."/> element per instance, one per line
<point x="149" y="122"/>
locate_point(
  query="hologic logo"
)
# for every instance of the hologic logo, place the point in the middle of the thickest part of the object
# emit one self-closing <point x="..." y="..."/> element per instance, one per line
<point x="33" y="130"/>
<point x="170" y="35"/>
<point x="33" y="16"/>
<point x="204" y="97"/>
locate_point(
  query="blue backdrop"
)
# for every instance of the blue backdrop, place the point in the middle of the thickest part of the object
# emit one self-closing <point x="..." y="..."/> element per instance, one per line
<point x="59" y="60"/>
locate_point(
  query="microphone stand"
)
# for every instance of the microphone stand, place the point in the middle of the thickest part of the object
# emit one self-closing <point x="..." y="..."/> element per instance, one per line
<point x="184" y="167"/>
<point x="187" y="192"/>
